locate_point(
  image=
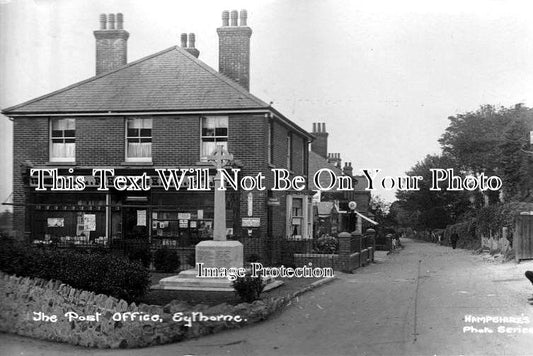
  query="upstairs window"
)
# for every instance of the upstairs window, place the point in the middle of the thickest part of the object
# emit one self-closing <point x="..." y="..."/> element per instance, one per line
<point x="214" y="133"/>
<point x="62" y="140"/>
<point x="139" y="139"/>
<point x="289" y="151"/>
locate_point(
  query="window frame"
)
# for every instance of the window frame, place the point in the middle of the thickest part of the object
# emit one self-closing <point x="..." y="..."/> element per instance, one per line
<point x="289" y="151"/>
<point x="126" y="136"/>
<point x="305" y="217"/>
<point x="270" y="144"/>
<point x="203" y="158"/>
<point x="51" y="138"/>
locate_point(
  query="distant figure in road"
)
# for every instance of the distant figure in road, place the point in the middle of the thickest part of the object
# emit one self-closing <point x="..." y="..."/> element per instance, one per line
<point x="392" y="240"/>
<point x="529" y="275"/>
<point x="453" y="240"/>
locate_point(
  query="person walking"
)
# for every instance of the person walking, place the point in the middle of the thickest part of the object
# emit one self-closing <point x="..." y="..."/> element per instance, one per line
<point x="453" y="240"/>
<point x="529" y="275"/>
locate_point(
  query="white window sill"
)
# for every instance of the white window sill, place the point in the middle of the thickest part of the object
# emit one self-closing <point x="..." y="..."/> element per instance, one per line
<point x="137" y="163"/>
<point x="61" y="163"/>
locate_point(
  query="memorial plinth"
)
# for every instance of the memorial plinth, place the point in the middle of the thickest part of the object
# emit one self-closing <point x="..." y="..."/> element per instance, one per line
<point x="219" y="254"/>
<point x="209" y="254"/>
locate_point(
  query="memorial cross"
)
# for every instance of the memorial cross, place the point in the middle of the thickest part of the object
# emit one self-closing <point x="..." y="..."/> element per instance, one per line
<point x="219" y="158"/>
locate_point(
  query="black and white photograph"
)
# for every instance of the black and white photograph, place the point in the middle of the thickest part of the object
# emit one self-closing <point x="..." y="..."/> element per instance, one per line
<point x="276" y="177"/>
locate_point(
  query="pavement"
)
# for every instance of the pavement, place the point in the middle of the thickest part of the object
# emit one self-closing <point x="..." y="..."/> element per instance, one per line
<point x="412" y="302"/>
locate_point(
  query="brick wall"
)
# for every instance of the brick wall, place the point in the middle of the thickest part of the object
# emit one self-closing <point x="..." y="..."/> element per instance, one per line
<point x="100" y="141"/>
<point x="30" y="146"/>
<point x="176" y="140"/>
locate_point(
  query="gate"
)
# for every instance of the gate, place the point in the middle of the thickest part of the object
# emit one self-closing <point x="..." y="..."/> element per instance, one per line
<point x="523" y="239"/>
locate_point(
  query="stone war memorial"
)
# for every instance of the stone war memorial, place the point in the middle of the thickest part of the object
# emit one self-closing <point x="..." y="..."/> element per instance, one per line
<point x="218" y="253"/>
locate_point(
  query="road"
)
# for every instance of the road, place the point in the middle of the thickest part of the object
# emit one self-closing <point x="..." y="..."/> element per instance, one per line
<point x="409" y="303"/>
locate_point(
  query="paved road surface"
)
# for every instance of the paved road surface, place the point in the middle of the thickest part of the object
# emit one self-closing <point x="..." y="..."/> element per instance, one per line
<point x="410" y="303"/>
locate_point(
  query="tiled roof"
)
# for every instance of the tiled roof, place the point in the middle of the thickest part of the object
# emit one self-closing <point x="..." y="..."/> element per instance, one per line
<point x="171" y="80"/>
<point x="325" y="208"/>
<point x="317" y="162"/>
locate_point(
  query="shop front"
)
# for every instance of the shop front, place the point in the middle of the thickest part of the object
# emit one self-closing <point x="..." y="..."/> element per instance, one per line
<point x="156" y="216"/>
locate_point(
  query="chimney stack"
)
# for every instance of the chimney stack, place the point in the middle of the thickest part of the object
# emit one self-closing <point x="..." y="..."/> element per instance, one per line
<point x="234" y="47"/>
<point x="335" y="159"/>
<point x="191" y="47"/>
<point x="111" y="43"/>
<point x="348" y="169"/>
<point x="320" y="143"/>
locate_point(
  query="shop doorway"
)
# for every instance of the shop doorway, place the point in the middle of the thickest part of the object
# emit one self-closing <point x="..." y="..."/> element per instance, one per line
<point x="135" y="223"/>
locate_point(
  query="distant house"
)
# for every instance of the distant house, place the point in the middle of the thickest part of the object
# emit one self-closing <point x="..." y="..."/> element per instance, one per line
<point x="320" y="158"/>
<point x="327" y="218"/>
<point x="166" y="110"/>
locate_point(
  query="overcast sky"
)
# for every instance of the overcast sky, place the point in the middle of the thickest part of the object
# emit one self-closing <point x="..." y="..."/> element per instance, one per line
<point x="383" y="75"/>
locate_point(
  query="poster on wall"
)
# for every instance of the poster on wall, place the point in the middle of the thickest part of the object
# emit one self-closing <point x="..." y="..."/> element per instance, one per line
<point x="89" y="222"/>
<point x="141" y="217"/>
<point x="56" y="222"/>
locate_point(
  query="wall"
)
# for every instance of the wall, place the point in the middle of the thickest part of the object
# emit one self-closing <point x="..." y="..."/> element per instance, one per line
<point x="20" y="297"/>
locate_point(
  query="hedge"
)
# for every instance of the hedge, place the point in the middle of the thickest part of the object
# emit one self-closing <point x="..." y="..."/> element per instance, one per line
<point x="98" y="271"/>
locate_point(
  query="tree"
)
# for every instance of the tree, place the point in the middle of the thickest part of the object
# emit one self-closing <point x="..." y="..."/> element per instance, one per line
<point x="491" y="141"/>
<point x="472" y="140"/>
<point x="380" y="209"/>
<point x="424" y="208"/>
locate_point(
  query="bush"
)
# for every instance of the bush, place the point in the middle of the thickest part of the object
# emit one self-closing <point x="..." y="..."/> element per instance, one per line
<point x="139" y="253"/>
<point x="326" y="244"/>
<point x="248" y="288"/>
<point x="166" y="260"/>
<point x="254" y="258"/>
<point x="92" y="271"/>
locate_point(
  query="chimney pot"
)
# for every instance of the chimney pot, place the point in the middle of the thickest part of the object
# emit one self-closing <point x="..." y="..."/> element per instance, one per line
<point x="244" y="16"/>
<point x="103" y="21"/>
<point x="314" y="126"/>
<point x="323" y="127"/>
<point x="192" y="40"/>
<point x="120" y="21"/>
<point x="184" y="40"/>
<point x="234" y="16"/>
<point x="225" y="18"/>
<point x="111" y="21"/>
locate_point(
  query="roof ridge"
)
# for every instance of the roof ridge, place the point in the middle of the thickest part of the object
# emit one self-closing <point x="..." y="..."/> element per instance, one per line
<point x="31" y="101"/>
<point x="220" y="76"/>
<point x="326" y="162"/>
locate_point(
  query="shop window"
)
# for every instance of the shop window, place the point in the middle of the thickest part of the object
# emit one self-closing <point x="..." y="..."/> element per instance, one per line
<point x="299" y="224"/>
<point x="214" y="133"/>
<point x="62" y="140"/>
<point x="139" y="139"/>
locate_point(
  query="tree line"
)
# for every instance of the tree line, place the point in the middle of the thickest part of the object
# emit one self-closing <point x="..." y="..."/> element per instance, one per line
<point x="491" y="141"/>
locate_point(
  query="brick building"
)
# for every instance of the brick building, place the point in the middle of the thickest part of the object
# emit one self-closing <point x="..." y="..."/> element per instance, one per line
<point x="166" y="110"/>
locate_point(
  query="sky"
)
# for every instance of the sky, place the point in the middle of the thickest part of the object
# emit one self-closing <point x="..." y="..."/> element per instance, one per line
<point x="383" y="75"/>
